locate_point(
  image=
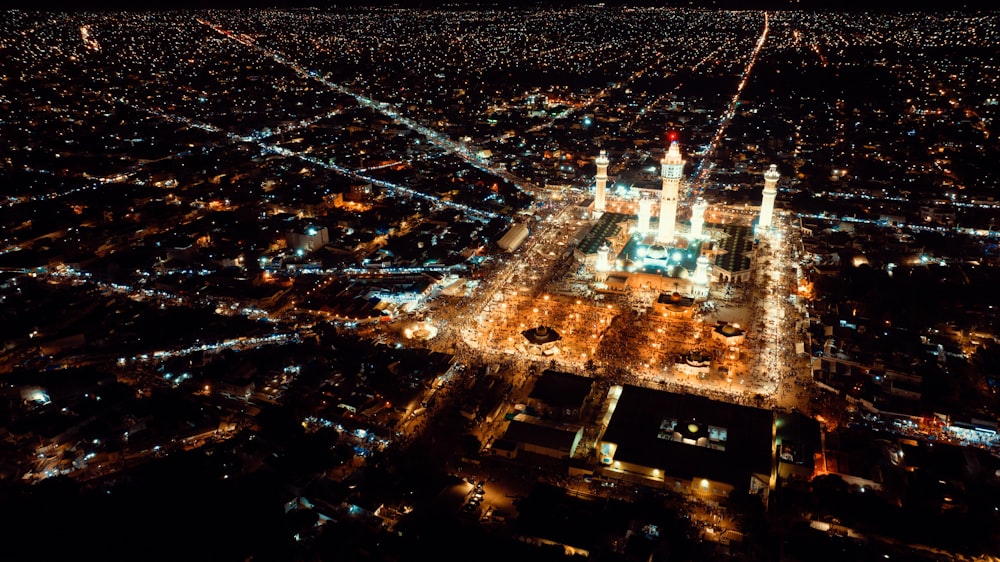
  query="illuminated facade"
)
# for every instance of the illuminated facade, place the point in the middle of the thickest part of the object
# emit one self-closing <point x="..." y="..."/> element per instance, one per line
<point x="698" y="218"/>
<point x="603" y="265"/>
<point x="771" y="177"/>
<point x="600" y="192"/>
<point x="643" y="256"/>
<point x="671" y="168"/>
<point x="645" y="211"/>
<point x="307" y="239"/>
<point x="700" y="277"/>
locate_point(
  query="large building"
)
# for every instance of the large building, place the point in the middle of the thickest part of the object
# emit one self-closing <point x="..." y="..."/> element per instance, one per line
<point x="626" y="243"/>
<point x="610" y="231"/>
<point x="527" y="434"/>
<point x="559" y="395"/>
<point x="514" y="237"/>
<point x="688" y="444"/>
<point x="733" y="253"/>
<point x="633" y="244"/>
<point x="307" y="238"/>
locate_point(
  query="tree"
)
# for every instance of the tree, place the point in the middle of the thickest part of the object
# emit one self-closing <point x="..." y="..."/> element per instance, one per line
<point x="278" y="424"/>
<point x="829" y="491"/>
<point x="470" y="445"/>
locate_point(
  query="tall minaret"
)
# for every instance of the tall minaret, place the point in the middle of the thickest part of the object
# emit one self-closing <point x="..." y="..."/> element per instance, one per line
<point x="602" y="182"/>
<point x="767" y="202"/>
<point x="671" y="168"/>
<point x="603" y="265"/>
<point x="698" y="218"/>
<point x="700" y="277"/>
<point x="645" y="211"/>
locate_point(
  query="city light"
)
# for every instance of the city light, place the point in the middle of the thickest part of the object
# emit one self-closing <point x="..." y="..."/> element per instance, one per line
<point x="375" y="248"/>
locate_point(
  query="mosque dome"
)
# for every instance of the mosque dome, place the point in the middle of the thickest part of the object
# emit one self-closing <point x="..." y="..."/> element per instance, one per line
<point x="697" y="359"/>
<point x="541" y="335"/>
<point x="730" y="330"/>
<point x="656" y="252"/>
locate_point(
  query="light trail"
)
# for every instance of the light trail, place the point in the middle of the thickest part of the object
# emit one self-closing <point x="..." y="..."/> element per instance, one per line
<point x="392" y="187"/>
<point x="231" y="343"/>
<point x="976" y="232"/>
<point x="656" y="101"/>
<point x="129" y="175"/>
<point x="223" y="307"/>
<point x="424" y="156"/>
<point x="815" y="48"/>
<point x="704" y="60"/>
<point x="436" y="138"/>
<point x="295" y="126"/>
<point x="705" y="166"/>
<point x="258" y="139"/>
<point x="602" y="93"/>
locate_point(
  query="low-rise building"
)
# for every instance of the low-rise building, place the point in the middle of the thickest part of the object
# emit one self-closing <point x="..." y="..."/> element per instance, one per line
<point x="688" y="444"/>
<point x="543" y="439"/>
<point x="560" y="395"/>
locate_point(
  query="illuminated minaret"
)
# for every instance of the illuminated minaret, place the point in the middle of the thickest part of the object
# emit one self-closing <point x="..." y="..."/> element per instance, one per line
<point x="700" y="277"/>
<point x="645" y="211"/>
<point x="602" y="183"/>
<point x="603" y="265"/>
<point x="767" y="202"/>
<point x="698" y="218"/>
<point x="671" y="168"/>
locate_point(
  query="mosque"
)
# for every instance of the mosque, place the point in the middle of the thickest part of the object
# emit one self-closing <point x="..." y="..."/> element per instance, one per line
<point x="628" y="250"/>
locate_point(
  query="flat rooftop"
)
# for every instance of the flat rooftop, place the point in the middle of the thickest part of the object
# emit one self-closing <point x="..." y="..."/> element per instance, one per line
<point x="607" y="226"/>
<point x="540" y="435"/>
<point x="690" y="436"/>
<point x="561" y="390"/>
<point x="736" y="247"/>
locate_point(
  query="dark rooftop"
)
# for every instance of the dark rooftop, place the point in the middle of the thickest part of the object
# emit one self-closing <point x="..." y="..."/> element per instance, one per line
<point x="561" y="390"/>
<point x="542" y="435"/>
<point x="606" y="227"/>
<point x="736" y="247"/>
<point x="635" y="427"/>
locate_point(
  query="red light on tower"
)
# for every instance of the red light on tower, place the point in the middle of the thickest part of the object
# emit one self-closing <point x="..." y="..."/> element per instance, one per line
<point x="672" y="136"/>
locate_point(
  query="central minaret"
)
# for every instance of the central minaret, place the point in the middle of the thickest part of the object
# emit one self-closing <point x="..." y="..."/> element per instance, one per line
<point x="771" y="177"/>
<point x="602" y="182"/>
<point x="671" y="168"/>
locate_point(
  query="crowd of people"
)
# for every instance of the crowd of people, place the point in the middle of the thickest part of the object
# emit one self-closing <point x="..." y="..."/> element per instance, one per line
<point x="620" y="338"/>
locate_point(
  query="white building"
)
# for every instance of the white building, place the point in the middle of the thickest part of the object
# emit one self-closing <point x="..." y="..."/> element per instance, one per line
<point x="671" y="168"/>
<point x="698" y="218"/>
<point x="514" y="237"/>
<point x="307" y="239"/>
<point x="771" y="177"/>
<point x="600" y="192"/>
<point x="645" y="211"/>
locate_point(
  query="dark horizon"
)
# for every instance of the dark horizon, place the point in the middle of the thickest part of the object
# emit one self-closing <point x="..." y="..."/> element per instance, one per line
<point x="807" y="5"/>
